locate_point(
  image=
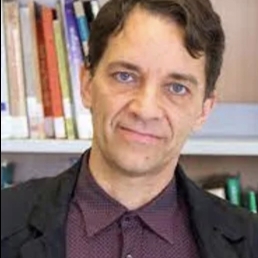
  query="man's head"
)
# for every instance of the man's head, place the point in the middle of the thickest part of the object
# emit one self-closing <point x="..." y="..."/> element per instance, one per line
<point x="203" y="34"/>
<point x="146" y="85"/>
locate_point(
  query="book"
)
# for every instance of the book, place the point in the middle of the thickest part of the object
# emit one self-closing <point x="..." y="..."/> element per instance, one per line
<point x="233" y="190"/>
<point x="15" y="71"/>
<point x="37" y="79"/>
<point x="64" y="78"/>
<point x="76" y="63"/>
<point x="94" y="7"/>
<point x="87" y="6"/>
<point x="5" y="109"/>
<point x="44" y="78"/>
<point x="7" y="173"/>
<point x="34" y="102"/>
<point x="83" y="27"/>
<point x="215" y="184"/>
<point x="52" y="70"/>
<point x="252" y="201"/>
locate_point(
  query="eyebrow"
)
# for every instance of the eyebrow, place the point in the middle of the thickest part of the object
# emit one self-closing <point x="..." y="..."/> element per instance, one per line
<point x="174" y="75"/>
<point x="184" y="77"/>
<point x="125" y="65"/>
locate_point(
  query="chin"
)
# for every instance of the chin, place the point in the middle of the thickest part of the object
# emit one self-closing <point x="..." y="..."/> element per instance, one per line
<point x="136" y="163"/>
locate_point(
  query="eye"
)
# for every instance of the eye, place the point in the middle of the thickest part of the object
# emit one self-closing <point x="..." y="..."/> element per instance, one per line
<point x="177" y="88"/>
<point x="124" y="77"/>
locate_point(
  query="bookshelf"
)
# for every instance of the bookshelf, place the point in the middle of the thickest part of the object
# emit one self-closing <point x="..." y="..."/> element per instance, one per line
<point x="229" y="140"/>
<point x="195" y="146"/>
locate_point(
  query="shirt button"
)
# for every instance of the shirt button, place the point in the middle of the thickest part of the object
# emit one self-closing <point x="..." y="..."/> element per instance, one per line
<point x="126" y="222"/>
<point x="129" y="256"/>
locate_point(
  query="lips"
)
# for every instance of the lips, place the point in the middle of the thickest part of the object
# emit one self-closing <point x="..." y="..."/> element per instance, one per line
<point x="141" y="136"/>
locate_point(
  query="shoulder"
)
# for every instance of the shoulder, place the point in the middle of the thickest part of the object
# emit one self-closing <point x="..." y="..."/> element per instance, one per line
<point x="232" y="214"/>
<point x="232" y="221"/>
<point x="209" y="211"/>
<point x="16" y="204"/>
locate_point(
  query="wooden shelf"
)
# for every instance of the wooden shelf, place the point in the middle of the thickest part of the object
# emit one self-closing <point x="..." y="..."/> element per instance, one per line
<point x="241" y="146"/>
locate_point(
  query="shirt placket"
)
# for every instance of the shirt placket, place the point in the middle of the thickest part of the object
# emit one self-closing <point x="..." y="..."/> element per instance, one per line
<point x="131" y="230"/>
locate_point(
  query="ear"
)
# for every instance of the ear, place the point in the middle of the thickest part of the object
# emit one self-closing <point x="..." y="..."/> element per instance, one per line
<point x="86" y="87"/>
<point x="207" y="107"/>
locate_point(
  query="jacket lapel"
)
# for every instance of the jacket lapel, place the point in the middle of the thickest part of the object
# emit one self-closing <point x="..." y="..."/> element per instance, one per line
<point x="217" y="234"/>
<point x="35" y="248"/>
<point x="47" y="246"/>
<point x="211" y="240"/>
<point x="48" y="217"/>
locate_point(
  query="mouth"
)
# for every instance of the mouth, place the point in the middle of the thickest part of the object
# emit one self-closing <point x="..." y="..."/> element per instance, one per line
<point x="134" y="135"/>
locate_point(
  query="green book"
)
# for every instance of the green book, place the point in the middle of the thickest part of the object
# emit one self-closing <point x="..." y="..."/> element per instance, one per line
<point x="252" y="201"/>
<point x="233" y="190"/>
<point x="6" y="174"/>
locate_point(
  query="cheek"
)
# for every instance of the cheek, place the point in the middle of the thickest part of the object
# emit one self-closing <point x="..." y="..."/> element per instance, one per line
<point x="104" y="108"/>
<point x="182" y="120"/>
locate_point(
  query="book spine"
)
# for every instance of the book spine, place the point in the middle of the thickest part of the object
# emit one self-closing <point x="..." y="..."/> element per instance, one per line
<point x="83" y="26"/>
<point x="44" y="81"/>
<point x="5" y="109"/>
<point x="15" y="71"/>
<point x="219" y="192"/>
<point x="35" y="125"/>
<point x="53" y="76"/>
<point x="252" y="201"/>
<point x="6" y="174"/>
<point x="64" y="79"/>
<point x="37" y="81"/>
<point x="233" y="190"/>
<point x="75" y="57"/>
<point x="94" y="7"/>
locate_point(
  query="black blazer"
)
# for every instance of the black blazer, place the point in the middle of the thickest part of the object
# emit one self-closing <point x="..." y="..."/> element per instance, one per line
<point x="33" y="217"/>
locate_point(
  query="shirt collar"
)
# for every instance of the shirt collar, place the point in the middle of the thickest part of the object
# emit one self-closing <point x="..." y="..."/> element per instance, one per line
<point x="160" y="213"/>
<point x="100" y="210"/>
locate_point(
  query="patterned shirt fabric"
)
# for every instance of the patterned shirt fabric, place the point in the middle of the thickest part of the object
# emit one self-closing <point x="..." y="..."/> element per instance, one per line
<point x="100" y="227"/>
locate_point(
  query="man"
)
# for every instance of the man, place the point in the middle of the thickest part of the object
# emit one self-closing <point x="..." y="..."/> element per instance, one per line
<point x="150" y="83"/>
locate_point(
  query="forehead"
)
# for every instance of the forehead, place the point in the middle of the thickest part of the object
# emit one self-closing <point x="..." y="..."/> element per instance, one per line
<point x="152" y="42"/>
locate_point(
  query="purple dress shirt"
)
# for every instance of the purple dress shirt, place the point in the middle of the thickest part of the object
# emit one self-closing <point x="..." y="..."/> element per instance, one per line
<point x="100" y="227"/>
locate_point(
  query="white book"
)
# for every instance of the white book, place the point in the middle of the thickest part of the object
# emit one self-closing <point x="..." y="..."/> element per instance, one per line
<point x="18" y="108"/>
<point x="94" y="7"/>
<point x="34" y="107"/>
<point x="5" y="110"/>
<point x="219" y="192"/>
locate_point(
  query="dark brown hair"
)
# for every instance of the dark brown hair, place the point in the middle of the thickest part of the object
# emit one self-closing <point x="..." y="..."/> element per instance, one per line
<point x="202" y="26"/>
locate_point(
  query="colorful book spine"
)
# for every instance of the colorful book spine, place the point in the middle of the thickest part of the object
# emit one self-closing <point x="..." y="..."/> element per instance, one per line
<point x="76" y="62"/>
<point x="234" y="190"/>
<point x="44" y="80"/>
<point x="83" y="26"/>
<point x="53" y="75"/>
<point x="18" y="109"/>
<point x="37" y="80"/>
<point x="5" y="111"/>
<point x="64" y="79"/>
<point x="6" y="174"/>
<point x="252" y="201"/>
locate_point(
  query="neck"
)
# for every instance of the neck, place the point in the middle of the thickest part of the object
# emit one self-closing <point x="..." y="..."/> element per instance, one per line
<point x="131" y="191"/>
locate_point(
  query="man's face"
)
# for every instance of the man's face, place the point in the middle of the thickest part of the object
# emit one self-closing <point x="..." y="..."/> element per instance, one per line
<point x="146" y="95"/>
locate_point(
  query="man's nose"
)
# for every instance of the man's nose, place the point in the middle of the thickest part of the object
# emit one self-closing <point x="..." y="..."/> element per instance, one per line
<point x="146" y="103"/>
